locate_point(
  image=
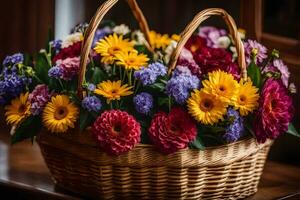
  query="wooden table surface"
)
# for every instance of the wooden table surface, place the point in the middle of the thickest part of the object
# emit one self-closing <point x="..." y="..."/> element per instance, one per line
<point x="24" y="175"/>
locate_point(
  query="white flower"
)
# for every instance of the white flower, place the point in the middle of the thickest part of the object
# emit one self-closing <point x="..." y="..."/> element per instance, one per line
<point x="138" y="37"/>
<point x="71" y="39"/>
<point x="121" y="29"/>
<point x="223" y="42"/>
<point x="169" y="50"/>
<point x="234" y="53"/>
<point x="292" y="88"/>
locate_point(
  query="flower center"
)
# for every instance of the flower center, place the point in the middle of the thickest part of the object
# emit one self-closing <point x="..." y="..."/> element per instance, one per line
<point x="130" y="61"/>
<point x="273" y="104"/>
<point x="114" y="91"/>
<point x="222" y="88"/>
<point x="60" y="113"/>
<point x="194" y="47"/>
<point x="116" y="129"/>
<point x="114" y="50"/>
<point x="22" y="109"/>
<point x="206" y="105"/>
<point x="242" y="99"/>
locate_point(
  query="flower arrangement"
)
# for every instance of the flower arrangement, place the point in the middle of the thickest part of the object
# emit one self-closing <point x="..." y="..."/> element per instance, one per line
<point x="130" y="97"/>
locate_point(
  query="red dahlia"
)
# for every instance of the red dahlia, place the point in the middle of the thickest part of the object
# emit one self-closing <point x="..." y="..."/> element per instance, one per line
<point x="116" y="131"/>
<point x="68" y="52"/>
<point x="172" y="132"/>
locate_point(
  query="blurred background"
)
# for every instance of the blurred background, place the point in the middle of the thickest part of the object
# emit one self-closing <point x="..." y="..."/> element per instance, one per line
<point x="276" y="23"/>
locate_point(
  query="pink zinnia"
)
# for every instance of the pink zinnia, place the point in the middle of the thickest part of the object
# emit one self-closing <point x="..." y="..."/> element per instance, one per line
<point x="69" y="66"/>
<point x="38" y="99"/>
<point x="275" y="111"/>
<point x="172" y="132"/>
<point x="249" y="45"/>
<point x="116" y="131"/>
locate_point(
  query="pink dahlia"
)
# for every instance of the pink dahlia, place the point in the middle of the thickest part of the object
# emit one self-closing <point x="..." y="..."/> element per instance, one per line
<point x="69" y="66"/>
<point x="116" y="131"/>
<point x="275" y="111"/>
<point x="211" y="59"/>
<point x="38" y="99"/>
<point x="186" y="59"/>
<point x="172" y="132"/>
<point x="68" y="52"/>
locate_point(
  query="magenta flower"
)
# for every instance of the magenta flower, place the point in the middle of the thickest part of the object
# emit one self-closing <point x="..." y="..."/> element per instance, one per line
<point x="38" y="99"/>
<point x="249" y="45"/>
<point x="69" y="66"/>
<point x="186" y="59"/>
<point x="212" y="35"/>
<point x="278" y="66"/>
<point x="275" y="111"/>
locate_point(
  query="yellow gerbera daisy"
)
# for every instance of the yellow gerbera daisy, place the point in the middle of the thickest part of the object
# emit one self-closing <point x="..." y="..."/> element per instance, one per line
<point x="246" y="98"/>
<point x="221" y="84"/>
<point x="60" y="114"/>
<point x="112" y="90"/>
<point x="131" y="60"/>
<point x="112" y="45"/>
<point x="206" y="107"/>
<point x="18" y="110"/>
<point x="159" y="41"/>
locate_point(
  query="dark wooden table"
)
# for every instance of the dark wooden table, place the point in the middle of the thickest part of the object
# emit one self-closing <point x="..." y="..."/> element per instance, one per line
<point x="24" y="175"/>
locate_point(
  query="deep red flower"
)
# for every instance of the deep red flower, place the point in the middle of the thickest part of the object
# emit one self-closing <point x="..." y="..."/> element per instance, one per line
<point x="116" y="131"/>
<point x="68" y="52"/>
<point x="211" y="59"/>
<point x="275" y="111"/>
<point x="195" y="43"/>
<point x="172" y="132"/>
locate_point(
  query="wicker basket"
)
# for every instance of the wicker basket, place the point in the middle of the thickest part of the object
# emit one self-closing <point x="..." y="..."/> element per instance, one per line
<point x="225" y="172"/>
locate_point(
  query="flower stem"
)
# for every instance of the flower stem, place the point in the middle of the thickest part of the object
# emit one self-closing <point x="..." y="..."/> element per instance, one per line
<point x="137" y="86"/>
<point x="129" y="77"/>
<point x="169" y="103"/>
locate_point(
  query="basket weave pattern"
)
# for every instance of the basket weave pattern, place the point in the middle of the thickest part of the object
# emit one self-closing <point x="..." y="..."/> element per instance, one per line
<point x="226" y="172"/>
<point x="231" y="171"/>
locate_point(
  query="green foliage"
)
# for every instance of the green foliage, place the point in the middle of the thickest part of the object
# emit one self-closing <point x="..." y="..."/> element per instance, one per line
<point x="255" y="74"/>
<point x="28" y="129"/>
<point x="97" y="75"/>
<point x="85" y="119"/>
<point x="41" y="68"/>
<point x="292" y="130"/>
<point x="198" y="143"/>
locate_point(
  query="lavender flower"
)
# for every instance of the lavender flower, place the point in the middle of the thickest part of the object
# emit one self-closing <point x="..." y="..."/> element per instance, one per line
<point x="91" y="103"/>
<point x="236" y="129"/>
<point x="13" y="59"/>
<point x="212" y="35"/>
<point x="56" y="44"/>
<point x="284" y="71"/>
<point x="100" y="34"/>
<point x="38" y="99"/>
<point x="252" y="45"/>
<point x="181" y="83"/>
<point x="149" y="74"/>
<point x="143" y="103"/>
<point x="55" y="72"/>
<point x="91" y="87"/>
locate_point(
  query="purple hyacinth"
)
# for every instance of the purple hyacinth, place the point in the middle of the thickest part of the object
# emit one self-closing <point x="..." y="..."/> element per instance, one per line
<point x="251" y="45"/>
<point x="100" y="34"/>
<point x="143" y="102"/>
<point x="235" y="130"/>
<point x="13" y="59"/>
<point x="56" y="44"/>
<point x="148" y="75"/>
<point x="91" y="103"/>
<point x="91" y="87"/>
<point x="55" y="72"/>
<point x="181" y="83"/>
<point x="38" y="99"/>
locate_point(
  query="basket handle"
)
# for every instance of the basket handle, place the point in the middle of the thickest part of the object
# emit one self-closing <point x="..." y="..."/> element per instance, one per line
<point x="192" y="26"/>
<point x="90" y="32"/>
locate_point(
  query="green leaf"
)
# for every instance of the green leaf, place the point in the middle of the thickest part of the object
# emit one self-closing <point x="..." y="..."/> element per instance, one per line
<point x="41" y="68"/>
<point x="98" y="76"/>
<point x="163" y="101"/>
<point x="28" y="129"/>
<point x="85" y="119"/>
<point x="198" y="143"/>
<point x="254" y="74"/>
<point x="292" y="130"/>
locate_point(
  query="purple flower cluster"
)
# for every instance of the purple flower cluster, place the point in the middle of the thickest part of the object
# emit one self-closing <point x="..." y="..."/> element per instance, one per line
<point x="13" y="59"/>
<point x="91" y="87"/>
<point x="91" y="103"/>
<point x="181" y="83"/>
<point x="261" y="54"/>
<point x="56" y="45"/>
<point x="38" y="99"/>
<point x="55" y="72"/>
<point x="143" y="102"/>
<point x="65" y="69"/>
<point x="148" y="75"/>
<point x="11" y="83"/>
<point x="100" y="34"/>
<point x="211" y="34"/>
<point x="236" y="129"/>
